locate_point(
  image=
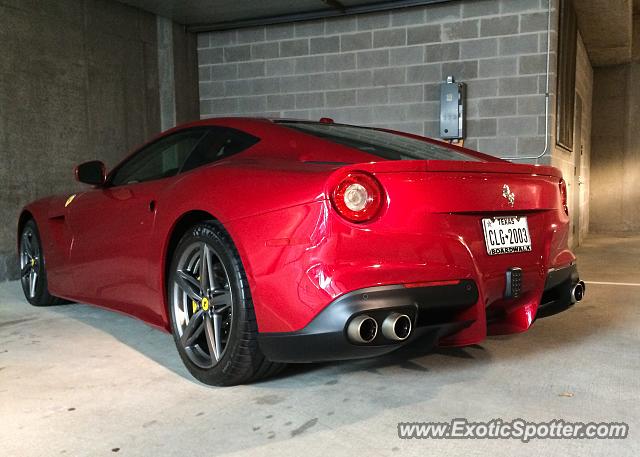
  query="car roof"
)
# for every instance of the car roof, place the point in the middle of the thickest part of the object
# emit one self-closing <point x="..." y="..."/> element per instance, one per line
<point x="251" y="124"/>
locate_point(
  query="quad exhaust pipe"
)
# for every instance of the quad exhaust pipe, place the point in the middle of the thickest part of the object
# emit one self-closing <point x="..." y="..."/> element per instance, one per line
<point x="363" y="328"/>
<point x="396" y="327"/>
<point x="577" y="293"/>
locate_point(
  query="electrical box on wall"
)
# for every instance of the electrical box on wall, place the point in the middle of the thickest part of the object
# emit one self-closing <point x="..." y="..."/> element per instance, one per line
<point x="452" y="100"/>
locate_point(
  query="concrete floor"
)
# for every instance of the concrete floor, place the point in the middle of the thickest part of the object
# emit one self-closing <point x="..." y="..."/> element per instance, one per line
<point x="78" y="380"/>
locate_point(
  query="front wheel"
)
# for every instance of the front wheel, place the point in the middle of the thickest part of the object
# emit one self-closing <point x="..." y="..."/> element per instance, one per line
<point x="33" y="275"/>
<point x="211" y="311"/>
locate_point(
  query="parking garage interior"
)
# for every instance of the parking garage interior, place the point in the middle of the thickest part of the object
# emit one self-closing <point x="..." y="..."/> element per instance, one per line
<point x="549" y="82"/>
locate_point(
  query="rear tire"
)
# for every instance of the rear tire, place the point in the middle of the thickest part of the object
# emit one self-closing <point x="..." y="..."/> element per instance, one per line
<point x="33" y="273"/>
<point x="212" y="316"/>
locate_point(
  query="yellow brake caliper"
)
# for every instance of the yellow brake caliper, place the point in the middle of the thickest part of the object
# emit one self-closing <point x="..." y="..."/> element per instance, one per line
<point x="194" y="304"/>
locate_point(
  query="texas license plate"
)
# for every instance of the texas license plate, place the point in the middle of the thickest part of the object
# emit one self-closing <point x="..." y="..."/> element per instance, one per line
<point x="506" y="235"/>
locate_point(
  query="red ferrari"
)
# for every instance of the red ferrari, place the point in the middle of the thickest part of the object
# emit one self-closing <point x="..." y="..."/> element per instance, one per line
<point x="257" y="242"/>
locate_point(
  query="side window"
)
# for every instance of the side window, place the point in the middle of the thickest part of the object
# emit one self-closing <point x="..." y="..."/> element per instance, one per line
<point x="161" y="159"/>
<point x="220" y="142"/>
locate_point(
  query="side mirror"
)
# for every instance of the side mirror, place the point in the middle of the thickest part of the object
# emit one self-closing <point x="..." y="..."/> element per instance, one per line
<point x="93" y="172"/>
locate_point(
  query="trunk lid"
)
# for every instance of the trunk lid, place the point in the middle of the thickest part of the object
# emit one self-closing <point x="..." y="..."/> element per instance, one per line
<point x="465" y="187"/>
<point x="501" y="167"/>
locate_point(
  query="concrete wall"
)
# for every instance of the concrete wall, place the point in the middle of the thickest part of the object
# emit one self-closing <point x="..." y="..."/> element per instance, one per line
<point x="383" y="69"/>
<point x="615" y="157"/>
<point x="575" y="165"/>
<point x="584" y="88"/>
<point x="78" y="81"/>
<point x="177" y="73"/>
<point x="185" y="69"/>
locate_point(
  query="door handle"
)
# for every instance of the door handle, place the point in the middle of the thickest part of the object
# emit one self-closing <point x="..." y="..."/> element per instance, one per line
<point x="152" y="206"/>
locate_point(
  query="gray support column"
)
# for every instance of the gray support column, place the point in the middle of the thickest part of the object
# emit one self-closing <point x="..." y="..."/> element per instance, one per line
<point x="166" y="74"/>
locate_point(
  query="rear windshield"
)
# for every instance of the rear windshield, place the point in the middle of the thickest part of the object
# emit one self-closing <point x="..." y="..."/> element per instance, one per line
<point x="387" y="145"/>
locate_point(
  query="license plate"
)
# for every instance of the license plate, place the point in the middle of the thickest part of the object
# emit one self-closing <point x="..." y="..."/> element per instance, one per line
<point x="506" y="235"/>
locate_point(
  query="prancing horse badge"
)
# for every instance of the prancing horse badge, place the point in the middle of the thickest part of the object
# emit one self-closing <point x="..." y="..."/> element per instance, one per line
<point x="510" y="196"/>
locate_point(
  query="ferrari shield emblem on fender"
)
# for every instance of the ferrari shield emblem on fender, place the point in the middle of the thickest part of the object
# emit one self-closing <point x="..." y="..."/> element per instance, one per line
<point x="510" y="196"/>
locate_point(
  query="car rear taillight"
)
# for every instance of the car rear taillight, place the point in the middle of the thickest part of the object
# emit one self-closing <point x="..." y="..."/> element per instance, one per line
<point x="358" y="197"/>
<point x="563" y="194"/>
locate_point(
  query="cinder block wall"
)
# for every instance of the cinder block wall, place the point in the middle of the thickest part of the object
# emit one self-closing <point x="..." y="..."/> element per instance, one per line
<point x="383" y="69"/>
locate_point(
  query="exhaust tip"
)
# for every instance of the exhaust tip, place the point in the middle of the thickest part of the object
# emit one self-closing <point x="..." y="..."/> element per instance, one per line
<point x="396" y="327"/>
<point x="362" y="329"/>
<point x="577" y="293"/>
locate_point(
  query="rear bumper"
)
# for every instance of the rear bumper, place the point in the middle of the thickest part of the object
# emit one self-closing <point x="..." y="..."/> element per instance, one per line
<point x="557" y="291"/>
<point x="436" y="311"/>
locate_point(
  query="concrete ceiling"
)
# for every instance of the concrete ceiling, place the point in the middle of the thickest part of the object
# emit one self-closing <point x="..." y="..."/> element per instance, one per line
<point x="606" y="27"/>
<point x="219" y="12"/>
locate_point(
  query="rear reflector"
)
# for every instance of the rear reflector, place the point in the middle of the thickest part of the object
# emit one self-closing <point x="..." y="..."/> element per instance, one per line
<point x="563" y="194"/>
